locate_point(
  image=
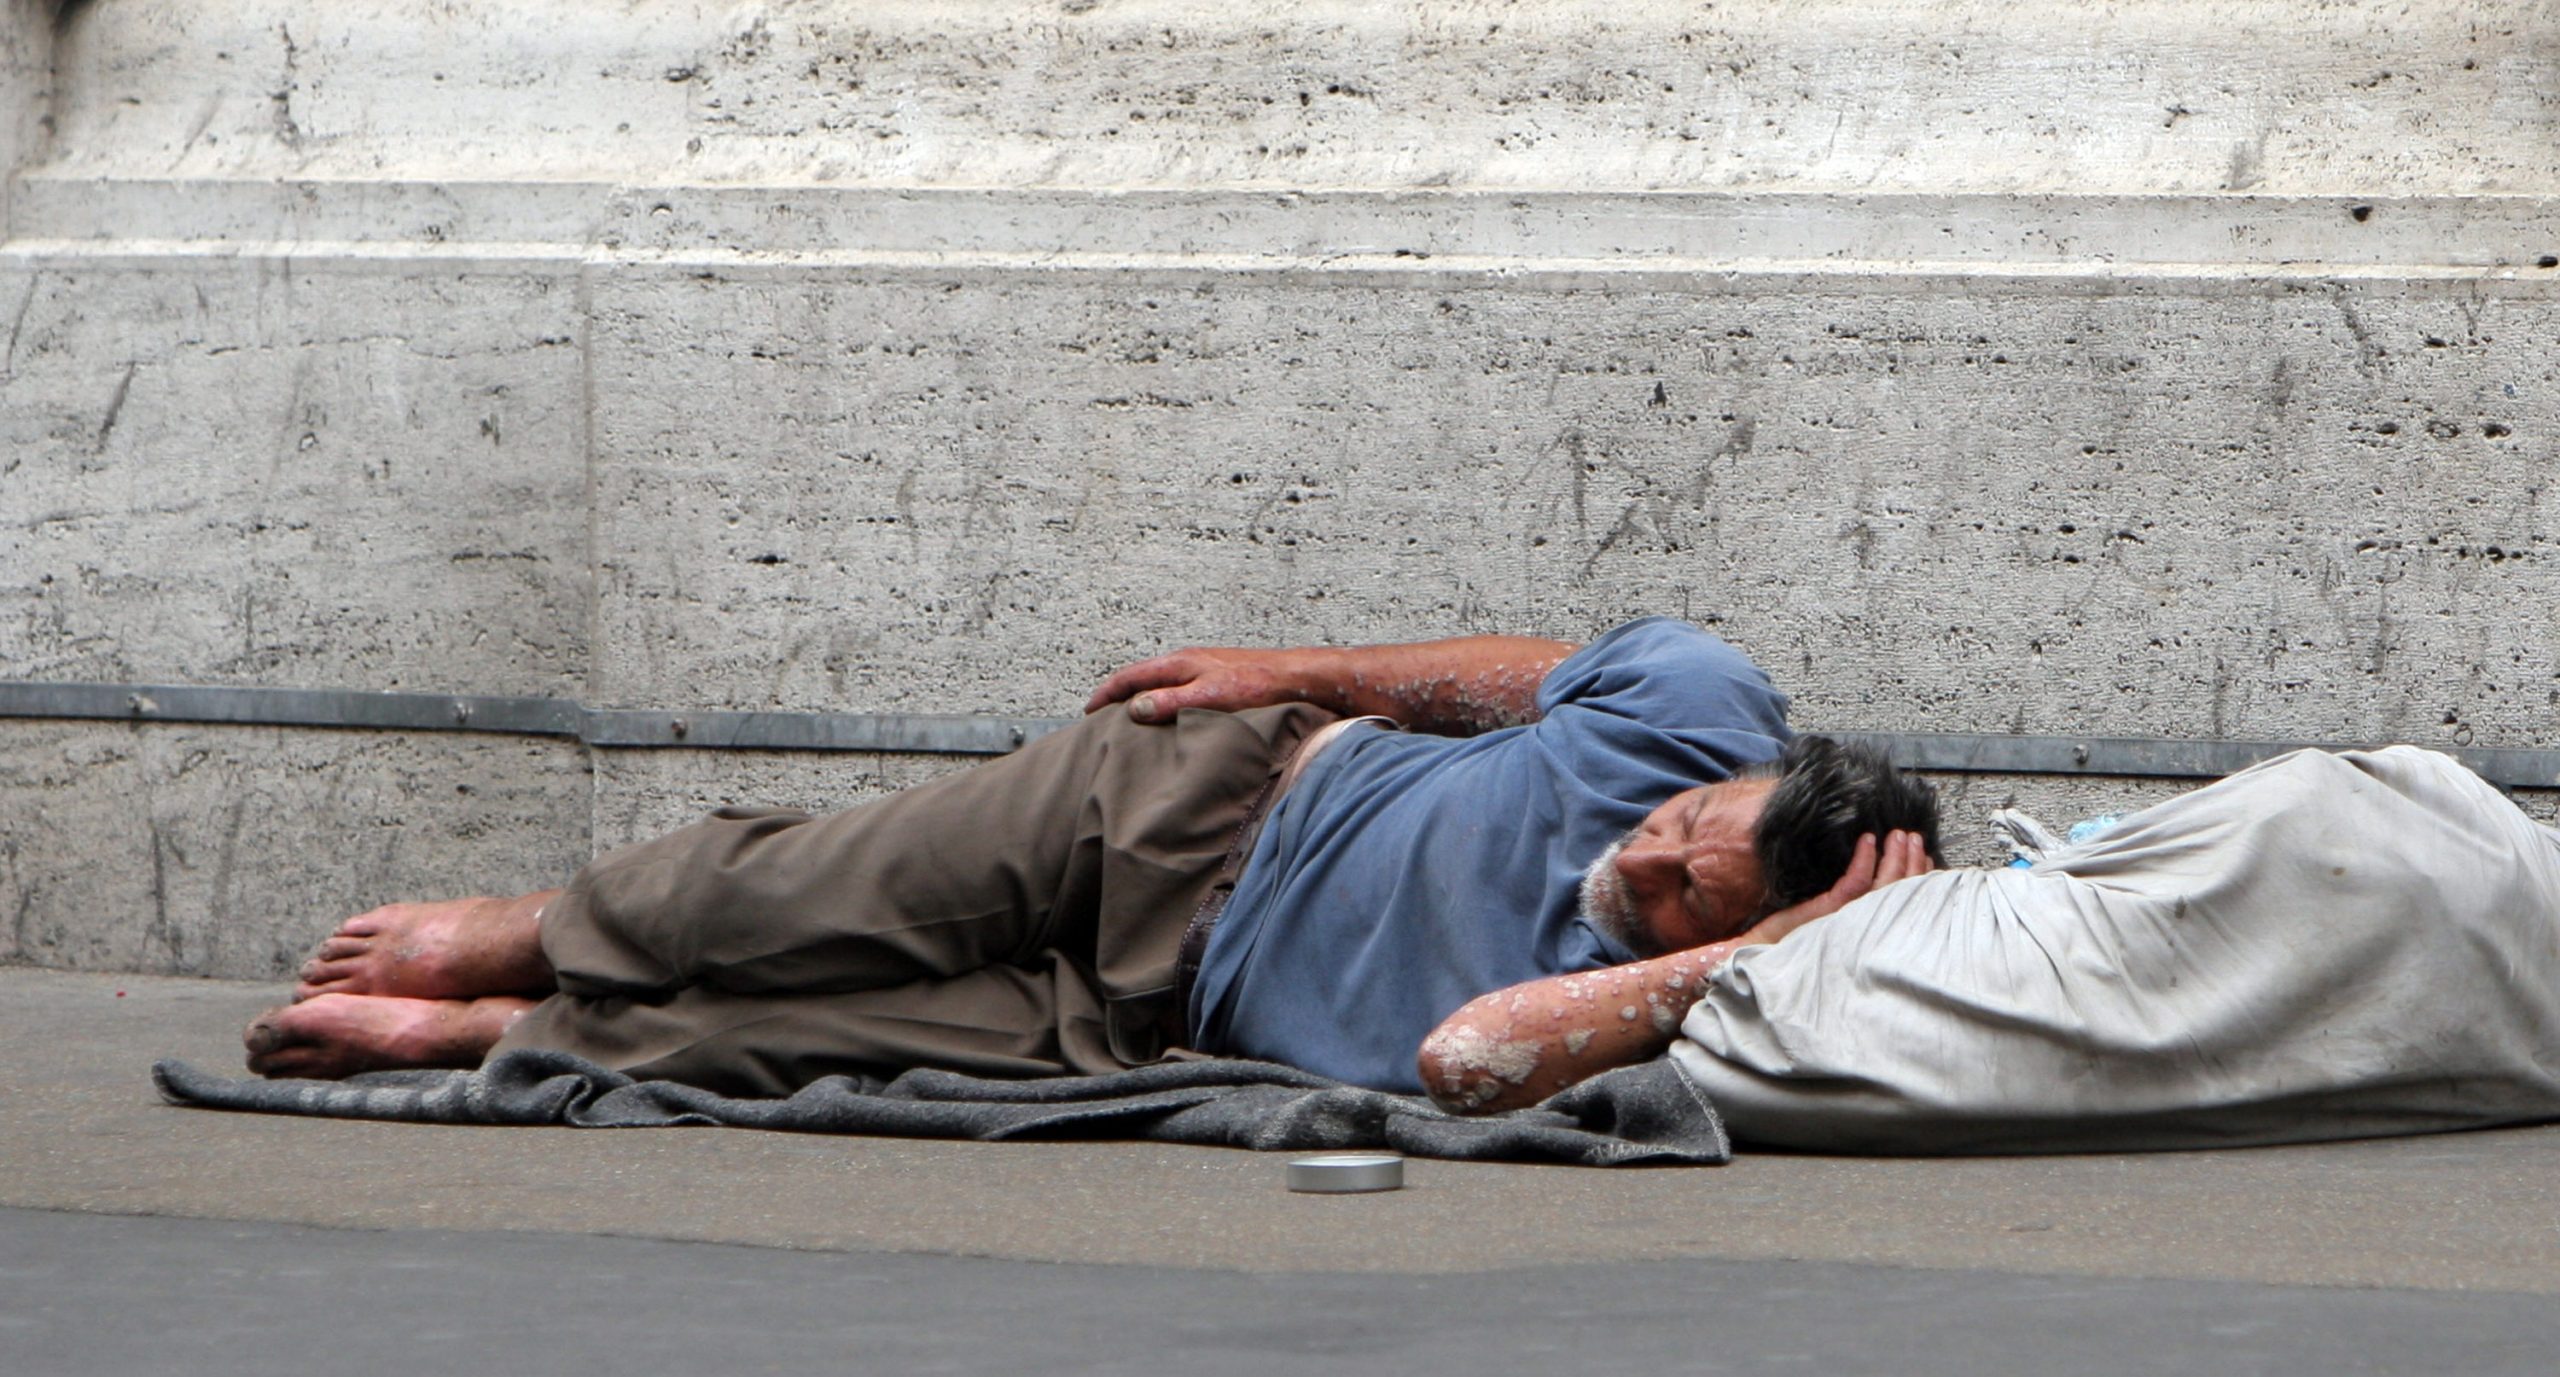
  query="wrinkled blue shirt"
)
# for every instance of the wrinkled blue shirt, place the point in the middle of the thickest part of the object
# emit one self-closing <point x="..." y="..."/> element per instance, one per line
<point x="1405" y="874"/>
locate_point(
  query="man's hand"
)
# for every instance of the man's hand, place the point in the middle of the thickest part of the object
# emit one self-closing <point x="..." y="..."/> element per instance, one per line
<point x="1516" y="1047"/>
<point x="1457" y="687"/>
<point x="1871" y="868"/>
<point x="1226" y="679"/>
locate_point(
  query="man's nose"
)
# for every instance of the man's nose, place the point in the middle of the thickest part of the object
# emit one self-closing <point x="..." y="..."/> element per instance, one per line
<point x="1648" y="861"/>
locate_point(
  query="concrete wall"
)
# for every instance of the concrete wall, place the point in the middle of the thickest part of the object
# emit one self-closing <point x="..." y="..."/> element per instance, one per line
<point x="26" y="82"/>
<point x="2180" y="368"/>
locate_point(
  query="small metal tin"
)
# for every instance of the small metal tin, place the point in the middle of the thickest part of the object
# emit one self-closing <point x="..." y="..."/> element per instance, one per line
<point x="1347" y="1173"/>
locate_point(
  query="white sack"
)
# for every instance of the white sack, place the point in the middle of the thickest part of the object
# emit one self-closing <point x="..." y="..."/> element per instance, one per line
<point x="2324" y="946"/>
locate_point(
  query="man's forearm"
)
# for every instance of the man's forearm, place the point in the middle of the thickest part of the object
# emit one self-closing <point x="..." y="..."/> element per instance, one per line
<point x="1517" y="1046"/>
<point x="1457" y="687"/>
<point x="1462" y="686"/>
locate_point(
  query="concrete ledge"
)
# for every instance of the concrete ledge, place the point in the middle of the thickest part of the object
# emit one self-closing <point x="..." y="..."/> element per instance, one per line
<point x="1846" y="96"/>
<point x="1239" y="230"/>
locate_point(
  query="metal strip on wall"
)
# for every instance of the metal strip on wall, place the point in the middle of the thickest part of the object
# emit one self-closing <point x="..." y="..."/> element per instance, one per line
<point x="2160" y="757"/>
<point x="432" y="712"/>
<point x="966" y="734"/>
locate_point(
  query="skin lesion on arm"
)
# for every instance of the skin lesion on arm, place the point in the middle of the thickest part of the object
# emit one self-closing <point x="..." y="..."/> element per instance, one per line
<point x="1459" y="688"/>
<point x="1517" y="1046"/>
<point x="1454" y="687"/>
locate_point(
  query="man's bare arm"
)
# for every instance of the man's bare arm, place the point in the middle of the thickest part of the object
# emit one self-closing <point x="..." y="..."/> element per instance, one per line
<point x="1454" y="687"/>
<point x="1517" y="1046"/>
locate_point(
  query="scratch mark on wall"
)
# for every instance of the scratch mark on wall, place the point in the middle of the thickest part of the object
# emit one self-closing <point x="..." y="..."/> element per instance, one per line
<point x="2472" y="303"/>
<point x="226" y="862"/>
<point x="1577" y="472"/>
<point x="281" y="98"/>
<point x="2369" y="355"/>
<point x="11" y="878"/>
<point x="17" y="321"/>
<point x="2248" y="164"/>
<point x="2280" y="388"/>
<point x="906" y="500"/>
<point x="204" y="121"/>
<point x="1629" y="522"/>
<point x="115" y="407"/>
<point x="160" y="932"/>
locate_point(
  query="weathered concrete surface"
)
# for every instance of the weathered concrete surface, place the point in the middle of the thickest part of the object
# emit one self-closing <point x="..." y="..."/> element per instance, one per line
<point x="231" y="850"/>
<point x="2461" y="1212"/>
<point x="26" y="88"/>
<point x="2311" y="510"/>
<point x="257" y="472"/>
<point x="2182" y="368"/>
<point x="1827" y="95"/>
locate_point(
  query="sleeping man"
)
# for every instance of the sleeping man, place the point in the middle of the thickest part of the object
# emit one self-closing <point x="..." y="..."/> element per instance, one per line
<point x="1483" y="868"/>
<point x="2325" y="945"/>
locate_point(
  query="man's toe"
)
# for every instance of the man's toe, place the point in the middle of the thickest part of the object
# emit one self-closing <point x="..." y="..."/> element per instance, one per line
<point x="284" y="1064"/>
<point x="317" y="979"/>
<point x="266" y="1034"/>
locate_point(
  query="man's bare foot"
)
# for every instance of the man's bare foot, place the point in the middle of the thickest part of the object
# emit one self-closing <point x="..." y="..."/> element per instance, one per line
<point x="335" y="1035"/>
<point x="455" y="949"/>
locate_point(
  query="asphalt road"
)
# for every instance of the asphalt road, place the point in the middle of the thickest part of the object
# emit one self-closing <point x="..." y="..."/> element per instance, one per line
<point x="136" y="1237"/>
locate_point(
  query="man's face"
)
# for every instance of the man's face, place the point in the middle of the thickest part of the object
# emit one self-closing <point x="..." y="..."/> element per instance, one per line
<point x="1686" y="875"/>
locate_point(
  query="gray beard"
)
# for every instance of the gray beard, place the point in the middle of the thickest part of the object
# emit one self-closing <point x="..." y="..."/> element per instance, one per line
<point x="1606" y="907"/>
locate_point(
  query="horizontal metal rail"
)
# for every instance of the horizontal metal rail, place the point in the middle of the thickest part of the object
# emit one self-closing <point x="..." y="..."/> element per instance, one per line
<point x="432" y="712"/>
<point x="966" y="734"/>
<point x="2160" y="757"/>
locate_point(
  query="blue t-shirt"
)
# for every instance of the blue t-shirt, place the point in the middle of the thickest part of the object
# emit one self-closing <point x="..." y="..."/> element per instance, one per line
<point x="1405" y="874"/>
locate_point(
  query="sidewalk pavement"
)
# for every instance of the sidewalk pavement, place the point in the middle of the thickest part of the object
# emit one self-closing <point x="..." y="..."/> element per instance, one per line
<point x="2229" y="1260"/>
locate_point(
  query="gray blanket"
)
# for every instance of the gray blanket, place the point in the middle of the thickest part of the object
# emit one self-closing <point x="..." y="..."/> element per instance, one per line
<point x="1648" y="1115"/>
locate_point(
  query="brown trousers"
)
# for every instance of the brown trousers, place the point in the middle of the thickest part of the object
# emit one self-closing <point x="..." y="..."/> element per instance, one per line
<point x="1022" y="918"/>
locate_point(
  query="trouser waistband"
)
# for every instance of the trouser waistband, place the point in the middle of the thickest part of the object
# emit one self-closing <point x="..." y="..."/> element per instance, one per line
<point x="1285" y="773"/>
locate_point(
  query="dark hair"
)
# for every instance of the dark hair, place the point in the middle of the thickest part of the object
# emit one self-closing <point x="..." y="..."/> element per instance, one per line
<point x="1829" y="794"/>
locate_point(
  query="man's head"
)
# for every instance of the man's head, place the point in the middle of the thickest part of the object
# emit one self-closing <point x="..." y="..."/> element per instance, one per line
<point x="1827" y="795"/>
<point x="1713" y="860"/>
